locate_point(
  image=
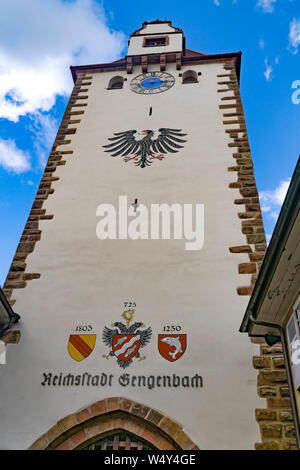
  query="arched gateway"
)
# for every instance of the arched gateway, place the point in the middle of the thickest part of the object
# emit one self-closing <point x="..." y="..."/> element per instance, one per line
<point x="117" y="424"/>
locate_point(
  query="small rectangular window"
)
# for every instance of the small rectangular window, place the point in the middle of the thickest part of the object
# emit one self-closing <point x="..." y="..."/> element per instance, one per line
<point x="155" y="41"/>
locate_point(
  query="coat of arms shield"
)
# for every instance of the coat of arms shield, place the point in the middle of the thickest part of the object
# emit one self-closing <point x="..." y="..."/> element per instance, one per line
<point x="172" y="347"/>
<point x="81" y="346"/>
<point x="125" y="347"/>
<point x="125" y="341"/>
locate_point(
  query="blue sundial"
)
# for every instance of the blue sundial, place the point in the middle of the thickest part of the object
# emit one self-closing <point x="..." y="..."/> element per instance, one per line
<point x="151" y="82"/>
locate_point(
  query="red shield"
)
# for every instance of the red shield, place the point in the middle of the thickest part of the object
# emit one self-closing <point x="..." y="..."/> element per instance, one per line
<point x="125" y="346"/>
<point x="172" y="347"/>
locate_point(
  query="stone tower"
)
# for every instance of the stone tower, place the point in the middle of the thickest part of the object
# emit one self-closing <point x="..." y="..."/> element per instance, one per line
<point x="127" y="327"/>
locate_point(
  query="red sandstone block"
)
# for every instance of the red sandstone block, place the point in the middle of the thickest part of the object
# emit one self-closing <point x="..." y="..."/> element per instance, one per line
<point x="278" y="403"/>
<point x="247" y="268"/>
<point x="265" y="415"/>
<point x="245" y="290"/>
<point x="271" y="430"/>
<point x="240" y="249"/>
<point x="79" y="438"/>
<point x="83" y="415"/>
<point x="268" y="377"/>
<point x="113" y="404"/>
<point x="269" y="445"/>
<point x="261" y="362"/>
<point x="99" y="408"/>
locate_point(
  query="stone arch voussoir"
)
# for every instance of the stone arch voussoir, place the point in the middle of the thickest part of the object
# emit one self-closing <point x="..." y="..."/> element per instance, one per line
<point x="103" y="417"/>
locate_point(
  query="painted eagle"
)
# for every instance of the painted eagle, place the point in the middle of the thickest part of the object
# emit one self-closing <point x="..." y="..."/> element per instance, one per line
<point x="125" y="143"/>
<point x="108" y="335"/>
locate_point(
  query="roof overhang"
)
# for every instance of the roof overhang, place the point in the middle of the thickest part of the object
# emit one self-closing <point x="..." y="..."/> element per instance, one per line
<point x="146" y="23"/>
<point x="277" y="285"/>
<point x="155" y="58"/>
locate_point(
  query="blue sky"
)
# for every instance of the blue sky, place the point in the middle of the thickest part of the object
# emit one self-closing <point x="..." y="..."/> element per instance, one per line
<point x="40" y="39"/>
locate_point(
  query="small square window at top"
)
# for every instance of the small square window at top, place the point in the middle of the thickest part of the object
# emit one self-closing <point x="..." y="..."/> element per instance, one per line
<point x="155" y="42"/>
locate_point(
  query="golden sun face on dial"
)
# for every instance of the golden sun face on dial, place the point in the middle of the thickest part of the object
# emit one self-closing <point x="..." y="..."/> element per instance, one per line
<point x="152" y="82"/>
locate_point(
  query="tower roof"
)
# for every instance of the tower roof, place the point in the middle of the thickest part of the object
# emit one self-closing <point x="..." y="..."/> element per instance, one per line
<point x="146" y="23"/>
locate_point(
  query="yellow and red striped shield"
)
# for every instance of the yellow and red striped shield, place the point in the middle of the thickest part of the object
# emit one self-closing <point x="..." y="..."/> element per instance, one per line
<point x="81" y="346"/>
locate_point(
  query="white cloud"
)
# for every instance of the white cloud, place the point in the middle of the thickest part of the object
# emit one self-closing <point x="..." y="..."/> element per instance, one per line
<point x="261" y="44"/>
<point x="217" y="3"/>
<point x="268" y="71"/>
<point x="44" y="128"/>
<point x="294" y="35"/>
<point x="271" y="201"/>
<point x="13" y="159"/>
<point x="39" y="40"/>
<point x="266" y="5"/>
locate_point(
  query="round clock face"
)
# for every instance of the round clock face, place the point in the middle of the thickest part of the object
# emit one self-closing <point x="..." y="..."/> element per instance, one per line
<point x="152" y="82"/>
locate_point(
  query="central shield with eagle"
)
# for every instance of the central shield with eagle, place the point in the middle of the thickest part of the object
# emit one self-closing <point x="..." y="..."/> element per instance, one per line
<point x="146" y="149"/>
<point x="125" y="341"/>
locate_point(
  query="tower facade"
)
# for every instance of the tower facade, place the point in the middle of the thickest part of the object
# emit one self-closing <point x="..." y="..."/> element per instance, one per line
<point x="135" y="265"/>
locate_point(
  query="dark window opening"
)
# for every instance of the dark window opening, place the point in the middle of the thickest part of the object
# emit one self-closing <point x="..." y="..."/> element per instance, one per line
<point x="189" y="77"/>
<point x="190" y="80"/>
<point x="120" y="441"/>
<point x="155" y="42"/>
<point x="116" y="83"/>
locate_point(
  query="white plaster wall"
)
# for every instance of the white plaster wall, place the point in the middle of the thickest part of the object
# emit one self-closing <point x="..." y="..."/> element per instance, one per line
<point x="136" y="45"/>
<point x="85" y="280"/>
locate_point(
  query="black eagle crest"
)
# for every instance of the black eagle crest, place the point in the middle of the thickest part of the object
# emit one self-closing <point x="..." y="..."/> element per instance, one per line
<point x="147" y="148"/>
<point x="108" y="334"/>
